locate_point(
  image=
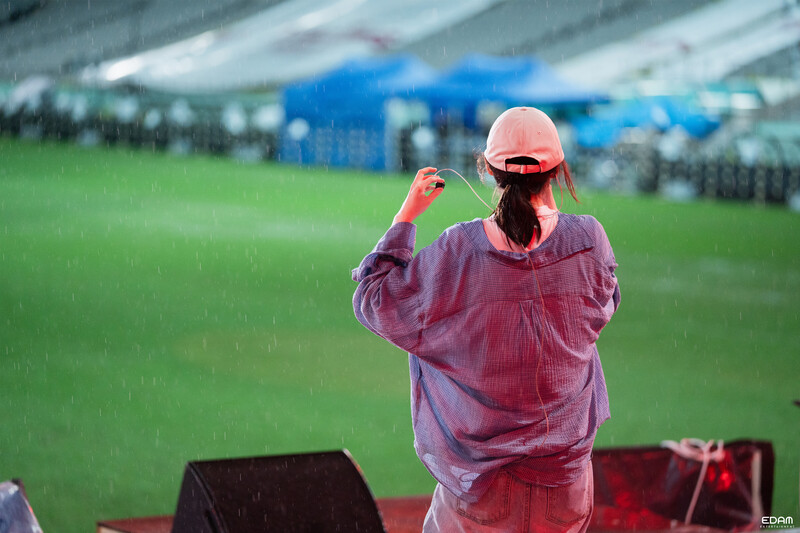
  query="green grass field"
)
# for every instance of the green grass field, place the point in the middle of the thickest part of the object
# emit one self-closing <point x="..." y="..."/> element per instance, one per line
<point x="156" y="310"/>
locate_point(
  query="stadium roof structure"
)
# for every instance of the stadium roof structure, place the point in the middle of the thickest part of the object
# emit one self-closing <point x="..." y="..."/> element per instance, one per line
<point x="180" y="46"/>
<point x="286" y="42"/>
<point x="702" y="46"/>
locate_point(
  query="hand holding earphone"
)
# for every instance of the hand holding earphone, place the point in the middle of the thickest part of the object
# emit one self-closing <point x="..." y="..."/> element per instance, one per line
<point x="425" y="188"/>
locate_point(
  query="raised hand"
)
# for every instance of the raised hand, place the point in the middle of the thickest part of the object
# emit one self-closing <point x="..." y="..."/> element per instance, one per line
<point x="425" y="188"/>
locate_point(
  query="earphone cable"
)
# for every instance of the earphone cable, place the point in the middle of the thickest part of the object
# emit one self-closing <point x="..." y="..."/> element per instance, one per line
<point x="468" y="185"/>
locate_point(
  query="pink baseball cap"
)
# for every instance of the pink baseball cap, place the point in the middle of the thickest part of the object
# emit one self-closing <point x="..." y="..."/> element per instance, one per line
<point x="523" y="132"/>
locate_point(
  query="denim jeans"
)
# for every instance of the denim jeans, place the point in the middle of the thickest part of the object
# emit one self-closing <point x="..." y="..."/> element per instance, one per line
<point x="512" y="505"/>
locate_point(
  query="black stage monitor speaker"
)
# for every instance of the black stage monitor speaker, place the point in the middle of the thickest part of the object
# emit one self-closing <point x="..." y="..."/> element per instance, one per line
<point x="315" y="492"/>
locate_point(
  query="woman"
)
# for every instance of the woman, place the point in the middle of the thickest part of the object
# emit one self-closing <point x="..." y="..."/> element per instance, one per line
<point x="500" y="318"/>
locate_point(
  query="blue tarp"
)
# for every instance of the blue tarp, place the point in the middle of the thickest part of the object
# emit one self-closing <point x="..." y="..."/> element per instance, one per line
<point x="511" y="81"/>
<point x="604" y="129"/>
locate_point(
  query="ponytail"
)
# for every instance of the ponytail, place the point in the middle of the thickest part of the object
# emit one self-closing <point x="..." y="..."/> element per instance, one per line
<point x="514" y="213"/>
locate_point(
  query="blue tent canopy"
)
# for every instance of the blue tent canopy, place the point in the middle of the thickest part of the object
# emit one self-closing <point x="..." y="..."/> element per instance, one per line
<point x="356" y="91"/>
<point x="345" y="111"/>
<point x="604" y="129"/>
<point x="521" y="80"/>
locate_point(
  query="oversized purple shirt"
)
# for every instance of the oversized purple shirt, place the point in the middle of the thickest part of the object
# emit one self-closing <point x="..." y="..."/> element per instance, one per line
<point x="503" y="363"/>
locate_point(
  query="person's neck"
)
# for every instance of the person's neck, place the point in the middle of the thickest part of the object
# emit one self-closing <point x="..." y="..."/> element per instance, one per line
<point x="544" y="198"/>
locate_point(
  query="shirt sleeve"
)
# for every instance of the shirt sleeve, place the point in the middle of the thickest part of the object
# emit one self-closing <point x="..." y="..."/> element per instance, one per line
<point x="387" y="298"/>
<point x="610" y="263"/>
<point x="616" y="297"/>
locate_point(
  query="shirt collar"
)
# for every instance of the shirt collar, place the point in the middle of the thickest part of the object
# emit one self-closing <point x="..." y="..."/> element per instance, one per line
<point x="568" y="238"/>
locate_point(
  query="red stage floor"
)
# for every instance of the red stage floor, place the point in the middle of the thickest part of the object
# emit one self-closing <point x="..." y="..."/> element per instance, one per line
<point x="400" y="515"/>
<point x="405" y="515"/>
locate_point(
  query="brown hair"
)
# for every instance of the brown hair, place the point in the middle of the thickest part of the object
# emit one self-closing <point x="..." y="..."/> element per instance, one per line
<point x="514" y="213"/>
